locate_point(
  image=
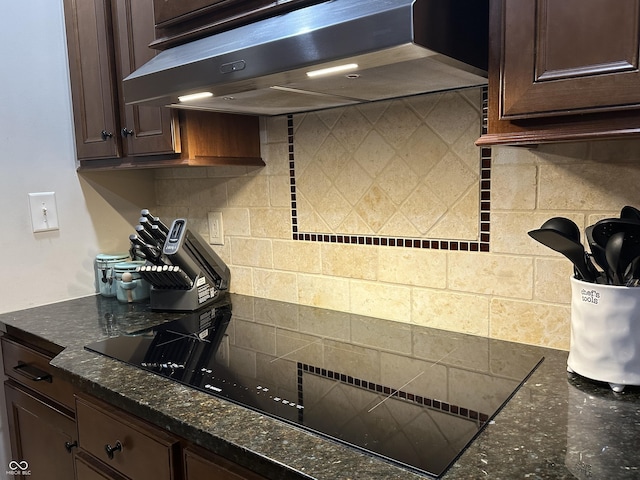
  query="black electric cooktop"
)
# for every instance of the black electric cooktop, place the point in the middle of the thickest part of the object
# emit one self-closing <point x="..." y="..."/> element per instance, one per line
<point x="412" y="395"/>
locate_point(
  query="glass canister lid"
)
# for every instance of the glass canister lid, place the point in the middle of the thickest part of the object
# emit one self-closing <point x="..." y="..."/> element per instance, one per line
<point x="109" y="258"/>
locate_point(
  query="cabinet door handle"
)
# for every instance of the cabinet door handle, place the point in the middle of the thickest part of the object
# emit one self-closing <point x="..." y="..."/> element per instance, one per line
<point x="69" y="446"/>
<point x="126" y="132"/>
<point x="32" y="373"/>
<point x="106" y="134"/>
<point x="111" y="450"/>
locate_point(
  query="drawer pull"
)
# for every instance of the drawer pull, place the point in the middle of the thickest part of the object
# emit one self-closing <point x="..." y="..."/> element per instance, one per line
<point x="69" y="446"/>
<point x="32" y="373"/>
<point x="111" y="450"/>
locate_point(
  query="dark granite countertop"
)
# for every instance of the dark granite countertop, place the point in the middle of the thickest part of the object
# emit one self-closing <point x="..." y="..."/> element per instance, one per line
<point x="556" y="425"/>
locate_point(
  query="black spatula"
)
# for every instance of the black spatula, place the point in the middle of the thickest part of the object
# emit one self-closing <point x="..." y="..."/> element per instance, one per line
<point x="563" y="235"/>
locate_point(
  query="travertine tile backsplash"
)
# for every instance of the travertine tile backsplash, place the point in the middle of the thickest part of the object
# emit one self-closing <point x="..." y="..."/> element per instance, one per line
<point x="518" y="290"/>
<point x="399" y="168"/>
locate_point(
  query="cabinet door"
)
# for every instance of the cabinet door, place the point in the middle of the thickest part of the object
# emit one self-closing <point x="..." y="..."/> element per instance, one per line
<point x="179" y="21"/>
<point x="569" y="56"/>
<point x="168" y="10"/>
<point x="172" y="11"/>
<point x="200" y="464"/>
<point x="42" y="435"/>
<point x="92" y="73"/>
<point x="145" y="130"/>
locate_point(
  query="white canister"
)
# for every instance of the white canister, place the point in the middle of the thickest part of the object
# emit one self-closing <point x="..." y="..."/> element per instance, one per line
<point x="132" y="288"/>
<point x="605" y="333"/>
<point x="105" y="275"/>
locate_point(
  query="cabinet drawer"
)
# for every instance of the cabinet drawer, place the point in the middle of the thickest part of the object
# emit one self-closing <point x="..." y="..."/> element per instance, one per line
<point x="138" y="450"/>
<point x="32" y="369"/>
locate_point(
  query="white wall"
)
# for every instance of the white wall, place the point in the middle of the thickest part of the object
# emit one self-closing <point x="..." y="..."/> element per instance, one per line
<point x="37" y="154"/>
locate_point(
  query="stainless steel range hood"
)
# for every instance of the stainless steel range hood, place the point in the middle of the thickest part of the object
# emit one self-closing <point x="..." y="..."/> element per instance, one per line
<point x="400" y="47"/>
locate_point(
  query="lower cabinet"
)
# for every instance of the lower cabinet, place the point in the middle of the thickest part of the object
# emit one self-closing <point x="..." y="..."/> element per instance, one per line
<point x="43" y="436"/>
<point x="40" y="413"/>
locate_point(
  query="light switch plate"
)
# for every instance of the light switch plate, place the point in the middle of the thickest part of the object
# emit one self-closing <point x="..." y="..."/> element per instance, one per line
<point x="216" y="233"/>
<point x="44" y="214"/>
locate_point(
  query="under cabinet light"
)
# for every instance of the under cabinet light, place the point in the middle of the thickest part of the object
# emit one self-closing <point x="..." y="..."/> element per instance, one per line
<point x="195" y="96"/>
<point x="330" y="70"/>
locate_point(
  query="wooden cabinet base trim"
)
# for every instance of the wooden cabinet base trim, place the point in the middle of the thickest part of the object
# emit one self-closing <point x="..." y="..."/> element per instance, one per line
<point x="244" y="161"/>
<point x="198" y="161"/>
<point x="207" y="139"/>
<point x="567" y="129"/>
<point x="535" y="138"/>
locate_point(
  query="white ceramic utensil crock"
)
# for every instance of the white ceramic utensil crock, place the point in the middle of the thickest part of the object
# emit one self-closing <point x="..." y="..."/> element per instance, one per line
<point x="605" y="333"/>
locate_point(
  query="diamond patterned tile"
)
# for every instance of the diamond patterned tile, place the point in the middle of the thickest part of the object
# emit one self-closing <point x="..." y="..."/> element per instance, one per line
<point x="399" y="180"/>
<point x="333" y="208"/>
<point x="424" y="149"/>
<point x="353" y="183"/>
<point x="398" y="124"/>
<point x="351" y="128"/>
<point x="332" y="158"/>
<point x="309" y="217"/>
<point x="355" y="223"/>
<point x="375" y="208"/>
<point x="450" y="179"/>
<point x="423" y="208"/>
<point x="406" y="167"/>
<point x="399" y="225"/>
<point x="451" y="117"/>
<point x="424" y="104"/>
<point x="374" y="154"/>
<point x="311" y="134"/>
<point x="373" y="111"/>
<point x="314" y="184"/>
<point x="329" y="117"/>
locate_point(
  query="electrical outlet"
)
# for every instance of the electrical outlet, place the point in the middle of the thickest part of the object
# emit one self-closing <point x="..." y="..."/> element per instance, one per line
<point x="44" y="214"/>
<point x="216" y="233"/>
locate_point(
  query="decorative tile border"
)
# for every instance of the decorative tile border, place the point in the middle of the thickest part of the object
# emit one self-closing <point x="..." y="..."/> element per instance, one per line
<point x="431" y="403"/>
<point x="480" y="245"/>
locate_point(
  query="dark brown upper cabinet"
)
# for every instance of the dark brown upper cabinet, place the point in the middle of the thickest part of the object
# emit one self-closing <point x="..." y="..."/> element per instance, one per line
<point x="106" y="41"/>
<point x="562" y="71"/>
<point x="179" y="21"/>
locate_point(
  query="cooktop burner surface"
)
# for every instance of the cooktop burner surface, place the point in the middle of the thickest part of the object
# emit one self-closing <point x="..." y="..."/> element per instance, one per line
<point x="412" y="395"/>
